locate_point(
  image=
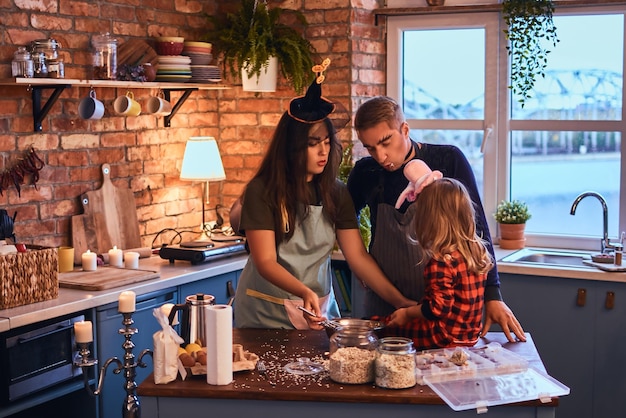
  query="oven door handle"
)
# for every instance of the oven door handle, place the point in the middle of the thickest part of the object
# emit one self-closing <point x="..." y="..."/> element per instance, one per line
<point x="22" y="340"/>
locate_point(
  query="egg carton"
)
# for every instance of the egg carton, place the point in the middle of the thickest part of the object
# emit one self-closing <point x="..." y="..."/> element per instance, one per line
<point x="449" y="364"/>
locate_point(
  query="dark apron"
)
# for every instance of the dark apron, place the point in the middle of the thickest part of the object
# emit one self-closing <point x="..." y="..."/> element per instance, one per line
<point x="397" y="253"/>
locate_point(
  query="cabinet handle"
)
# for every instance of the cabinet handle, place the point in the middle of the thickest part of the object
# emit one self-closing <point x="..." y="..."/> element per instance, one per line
<point x="581" y="298"/>
<point x="609" y="302"/>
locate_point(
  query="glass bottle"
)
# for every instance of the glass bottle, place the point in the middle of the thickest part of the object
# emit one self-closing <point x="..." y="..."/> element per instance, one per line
<point x="104" y="57"/>
<point x="352" y="355"/>
<point x="22" y="64"/>
<point x="395" y="363"/>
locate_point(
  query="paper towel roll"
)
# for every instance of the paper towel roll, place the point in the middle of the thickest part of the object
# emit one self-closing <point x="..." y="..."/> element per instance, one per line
<point x="219" y="347"/>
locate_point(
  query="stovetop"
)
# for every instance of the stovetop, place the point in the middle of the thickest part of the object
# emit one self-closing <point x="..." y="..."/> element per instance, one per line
<point x="204" y="251"/>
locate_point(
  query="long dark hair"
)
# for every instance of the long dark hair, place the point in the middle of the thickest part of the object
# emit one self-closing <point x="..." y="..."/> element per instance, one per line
<point x="284" y="169"/>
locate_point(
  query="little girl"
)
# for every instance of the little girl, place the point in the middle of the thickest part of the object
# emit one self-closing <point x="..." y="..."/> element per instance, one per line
<point x="457" y="262"/>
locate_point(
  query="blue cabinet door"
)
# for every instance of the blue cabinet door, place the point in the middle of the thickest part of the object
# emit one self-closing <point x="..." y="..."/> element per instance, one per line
<point x="222" y="287"/>
<point x="110" y="341"/>
<point x="560" y="314"/>
<point x="609" y="389"/>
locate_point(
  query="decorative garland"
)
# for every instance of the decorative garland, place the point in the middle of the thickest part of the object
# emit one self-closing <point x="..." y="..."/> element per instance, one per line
<point x="27" y="167"/>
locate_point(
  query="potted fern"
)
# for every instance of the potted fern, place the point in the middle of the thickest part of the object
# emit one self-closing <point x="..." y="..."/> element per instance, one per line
<point x="250" y="38"/>
<point x="530" y="31"/>
<point x="511" y="217"/>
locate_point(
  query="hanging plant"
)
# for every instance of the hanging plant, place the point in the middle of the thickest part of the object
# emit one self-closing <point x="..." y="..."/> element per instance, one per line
<point x="255" y="32"/>
<point x="530" y="31"/>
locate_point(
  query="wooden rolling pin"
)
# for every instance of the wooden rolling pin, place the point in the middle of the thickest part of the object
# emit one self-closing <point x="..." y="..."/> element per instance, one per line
<point x="144" y="252"/>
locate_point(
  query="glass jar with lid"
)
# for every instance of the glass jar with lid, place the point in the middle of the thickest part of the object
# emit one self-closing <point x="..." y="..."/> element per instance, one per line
<point x="104" y="57"/>
<point x="352" y="355"/>
<point x="395" y="363"/>
<point x="22" y="64"/>
<point x="48" y="47"/>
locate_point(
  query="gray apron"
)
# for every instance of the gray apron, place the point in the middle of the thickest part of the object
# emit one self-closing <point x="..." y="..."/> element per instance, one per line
<point x="261" y="304"/>
<point x="397" y="253"/>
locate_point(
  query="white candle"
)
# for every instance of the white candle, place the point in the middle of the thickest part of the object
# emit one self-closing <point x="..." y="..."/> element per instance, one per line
<point x="83" y="331"/>
<point x="90" y="262"/>
<point x="131" y="260"/>
<point x="127" y="301"/>
<point x="115" y="257"/>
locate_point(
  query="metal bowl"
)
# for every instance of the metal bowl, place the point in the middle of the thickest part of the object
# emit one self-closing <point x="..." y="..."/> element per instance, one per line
<point x="355" y="322"/>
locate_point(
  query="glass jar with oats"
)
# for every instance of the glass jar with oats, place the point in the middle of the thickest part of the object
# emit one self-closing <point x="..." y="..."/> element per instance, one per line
<point x="352" y="355"/>
<point x="395" y="363"/>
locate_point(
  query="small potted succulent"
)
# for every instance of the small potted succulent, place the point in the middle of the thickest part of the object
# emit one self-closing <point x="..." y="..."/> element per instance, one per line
<point x="511" y="217"/>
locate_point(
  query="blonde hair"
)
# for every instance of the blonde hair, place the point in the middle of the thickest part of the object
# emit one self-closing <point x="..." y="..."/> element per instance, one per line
<point x="445" y="221"/>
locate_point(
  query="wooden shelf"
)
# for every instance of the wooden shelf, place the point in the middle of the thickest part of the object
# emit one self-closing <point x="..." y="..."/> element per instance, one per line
<point x="48" y="82"/>
<point x="36" y="85"/>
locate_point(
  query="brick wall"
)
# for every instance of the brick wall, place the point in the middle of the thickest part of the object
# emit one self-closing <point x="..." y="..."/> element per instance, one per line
<point x="143" y="154"/>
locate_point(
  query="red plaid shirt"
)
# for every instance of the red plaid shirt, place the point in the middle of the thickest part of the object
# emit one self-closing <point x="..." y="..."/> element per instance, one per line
<point x="452" y="306"/>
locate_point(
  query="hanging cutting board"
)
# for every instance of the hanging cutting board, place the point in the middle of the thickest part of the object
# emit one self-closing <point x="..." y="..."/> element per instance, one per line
<point x="109" y="219"/>
<point x="104" y="278"/>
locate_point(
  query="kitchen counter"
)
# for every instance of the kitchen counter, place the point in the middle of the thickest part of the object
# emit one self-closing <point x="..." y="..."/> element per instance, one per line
<point x="181" y="272"/>
<point x="72" y="300"/>
<point x="312" y="396"/>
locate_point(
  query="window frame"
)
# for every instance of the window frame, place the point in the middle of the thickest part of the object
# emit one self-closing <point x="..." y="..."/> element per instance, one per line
<point x="496" y="158"/>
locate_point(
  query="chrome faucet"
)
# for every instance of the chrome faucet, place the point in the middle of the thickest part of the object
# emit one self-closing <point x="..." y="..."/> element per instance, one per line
<point x="605" y="244"/>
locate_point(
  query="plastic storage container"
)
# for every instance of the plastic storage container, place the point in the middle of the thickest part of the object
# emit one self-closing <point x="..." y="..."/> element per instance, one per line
<point x="478" y="377"/>
<point x="352" y="355"/>
<point x="104" y="57"/>
<point x="22" y="64"/>
<point x="395" y="363"/>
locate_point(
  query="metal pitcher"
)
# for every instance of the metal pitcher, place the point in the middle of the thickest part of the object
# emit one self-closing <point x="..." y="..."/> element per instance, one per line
<point x="193" y="318"/>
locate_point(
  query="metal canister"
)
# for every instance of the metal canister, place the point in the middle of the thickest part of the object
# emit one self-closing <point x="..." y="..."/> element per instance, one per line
<point x="104" y="57"/>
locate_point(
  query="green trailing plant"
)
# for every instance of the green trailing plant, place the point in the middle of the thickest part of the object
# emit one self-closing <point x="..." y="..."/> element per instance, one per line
<point x="512" y="212"/>
<point x="530" y="31"/>
<point x="248" y="37"/>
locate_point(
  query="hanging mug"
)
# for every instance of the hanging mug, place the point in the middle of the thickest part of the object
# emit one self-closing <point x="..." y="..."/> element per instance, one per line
<point x="158" y="106"/>
<point x="90" y="107"/>
<point x="127" y="105"/>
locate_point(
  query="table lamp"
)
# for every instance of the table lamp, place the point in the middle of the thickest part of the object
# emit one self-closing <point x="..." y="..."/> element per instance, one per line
<point x="202" y="161"/>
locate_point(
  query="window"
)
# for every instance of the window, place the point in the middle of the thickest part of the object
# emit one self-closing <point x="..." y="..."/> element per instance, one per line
<point x="564" y="141"/>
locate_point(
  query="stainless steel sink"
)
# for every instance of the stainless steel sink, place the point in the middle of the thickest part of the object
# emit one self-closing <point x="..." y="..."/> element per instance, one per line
<point x="548" y="257"/>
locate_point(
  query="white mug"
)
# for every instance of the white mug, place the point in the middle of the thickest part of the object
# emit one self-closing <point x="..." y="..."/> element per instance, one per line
<point x="159" y="106"/>
<point x="127" y="105"/>
<point x="90" y="107"/>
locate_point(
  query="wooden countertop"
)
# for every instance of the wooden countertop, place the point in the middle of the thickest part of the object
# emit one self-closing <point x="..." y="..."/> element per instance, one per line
<point x="279" y="347"/>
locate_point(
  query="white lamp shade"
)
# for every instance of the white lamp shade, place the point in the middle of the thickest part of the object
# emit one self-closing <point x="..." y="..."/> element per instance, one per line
<point x="202" y="160"/>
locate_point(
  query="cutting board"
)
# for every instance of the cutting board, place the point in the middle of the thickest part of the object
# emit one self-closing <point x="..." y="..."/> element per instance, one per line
<point x="136" y="51"/>
<point x="104" y="278"/>
<point x="606" y="266"/>
<point x="109" y="219"/>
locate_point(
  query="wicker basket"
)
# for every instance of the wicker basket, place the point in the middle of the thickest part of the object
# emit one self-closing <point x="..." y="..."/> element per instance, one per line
<point x="29" y="277"/>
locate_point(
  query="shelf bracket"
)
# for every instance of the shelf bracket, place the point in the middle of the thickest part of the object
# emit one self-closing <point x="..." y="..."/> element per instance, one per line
<point x="166" y="93"/>
<point x="39" y="113"/>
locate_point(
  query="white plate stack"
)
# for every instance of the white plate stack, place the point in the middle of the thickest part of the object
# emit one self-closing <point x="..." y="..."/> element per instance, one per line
<point x="173" y="68"/>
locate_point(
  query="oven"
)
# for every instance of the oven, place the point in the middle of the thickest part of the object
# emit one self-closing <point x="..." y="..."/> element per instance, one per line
<point x="36" y="357"/>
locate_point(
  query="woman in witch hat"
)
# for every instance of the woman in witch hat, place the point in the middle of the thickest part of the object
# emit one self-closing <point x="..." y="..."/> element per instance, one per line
<point x="294" y="210"/>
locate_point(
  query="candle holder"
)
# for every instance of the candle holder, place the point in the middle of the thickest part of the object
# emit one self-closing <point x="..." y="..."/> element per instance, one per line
<point x="131" y="407"/>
